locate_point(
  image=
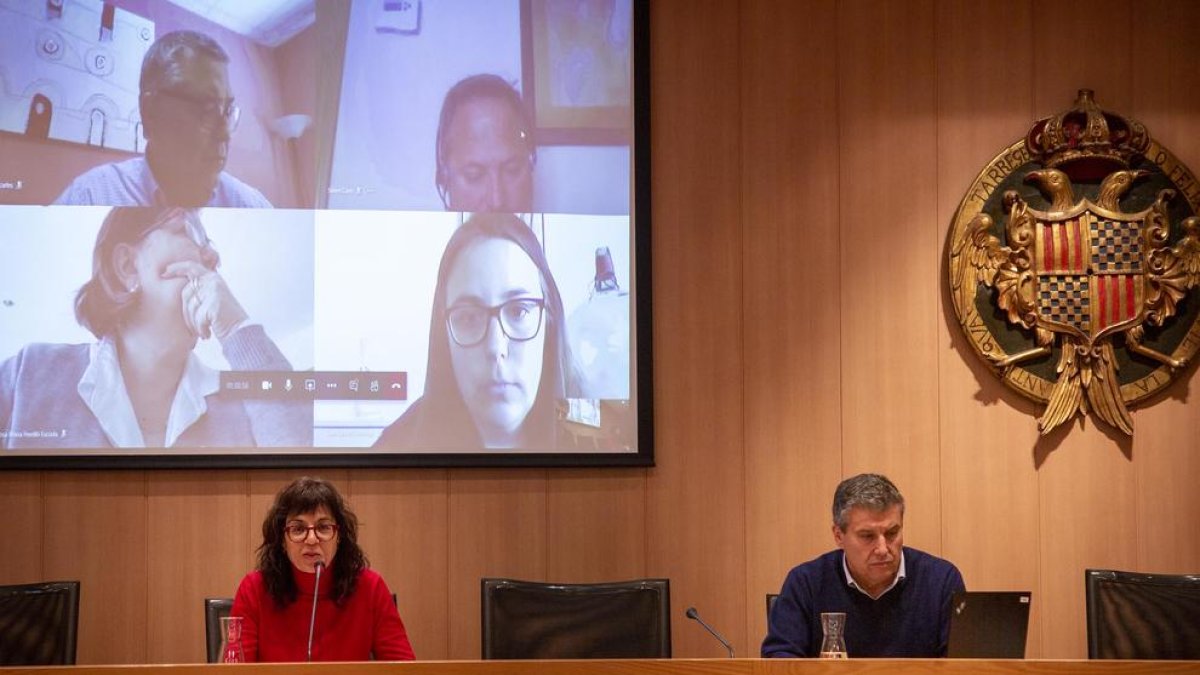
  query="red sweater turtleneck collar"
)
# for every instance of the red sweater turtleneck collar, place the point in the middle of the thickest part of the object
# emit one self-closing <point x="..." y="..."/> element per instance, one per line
<point x="305" y="581"/>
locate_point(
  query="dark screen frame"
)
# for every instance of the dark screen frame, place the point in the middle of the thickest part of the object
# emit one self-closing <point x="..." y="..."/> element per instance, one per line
<point x="332" y="457"/>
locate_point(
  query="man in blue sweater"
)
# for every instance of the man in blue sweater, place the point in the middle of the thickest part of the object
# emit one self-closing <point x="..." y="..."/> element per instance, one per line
<point x="896" y="599"/>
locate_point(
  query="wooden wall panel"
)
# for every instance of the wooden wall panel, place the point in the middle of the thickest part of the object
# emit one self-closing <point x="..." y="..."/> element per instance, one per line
<point x="96" y="533"/>
<point x="790" y="298"/>
<point x="1086" y="520"/>
<point x="497" y="528"/>
<point x="403" y="528"/>
<point x="197" y="529"/>
<point x="1080" y="44"/>
<point x="1166" y="456"/>
<point x="1166" y="81"/>
<point x="21" y="504"/>
<point x="1166" y="450"/>
<point x="986" y="431"/>
<point x="695" y="501"/>
<point x="596" y="525"/>
<point x="1153" y="37"/>
<point x="890" y="243"/>
<point x="1086" y="484"/>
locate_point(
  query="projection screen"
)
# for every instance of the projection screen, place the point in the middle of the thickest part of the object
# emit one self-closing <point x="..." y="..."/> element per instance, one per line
<point x="324" y="233"/>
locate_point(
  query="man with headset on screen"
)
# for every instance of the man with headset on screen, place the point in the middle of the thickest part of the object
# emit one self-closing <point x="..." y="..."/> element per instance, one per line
<point x="485" y="148"/>
<point x="188" y="115"/>
<point x="896" y="599"/>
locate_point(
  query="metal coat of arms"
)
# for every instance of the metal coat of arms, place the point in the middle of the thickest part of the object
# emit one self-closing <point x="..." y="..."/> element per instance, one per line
<point x="1074" y="260"/>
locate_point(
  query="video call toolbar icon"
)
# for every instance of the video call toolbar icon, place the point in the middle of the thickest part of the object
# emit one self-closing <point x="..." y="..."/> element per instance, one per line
<point x="328" y="385"/>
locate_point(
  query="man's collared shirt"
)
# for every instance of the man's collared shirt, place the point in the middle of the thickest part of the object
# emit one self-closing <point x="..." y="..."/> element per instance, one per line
<point x="102" y="388"/>
<point x="900" y="574"/>
<point x="131" y="183"/>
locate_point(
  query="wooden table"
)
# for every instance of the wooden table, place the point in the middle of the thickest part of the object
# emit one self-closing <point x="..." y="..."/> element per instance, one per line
<point x="649" y="666"/>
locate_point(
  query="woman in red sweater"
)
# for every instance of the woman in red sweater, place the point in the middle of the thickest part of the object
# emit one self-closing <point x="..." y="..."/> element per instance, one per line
<point x="356" y="619"/>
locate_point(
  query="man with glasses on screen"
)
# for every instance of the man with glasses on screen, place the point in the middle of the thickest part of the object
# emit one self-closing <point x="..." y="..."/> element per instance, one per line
<point x="188" y="114"/>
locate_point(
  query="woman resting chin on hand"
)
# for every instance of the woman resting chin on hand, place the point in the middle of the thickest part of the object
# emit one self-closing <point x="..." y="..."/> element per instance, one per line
<point x="154" y="291"/>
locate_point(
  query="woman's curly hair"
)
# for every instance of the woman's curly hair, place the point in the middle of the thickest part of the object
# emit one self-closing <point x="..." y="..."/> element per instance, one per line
<point x="306" y="495"/>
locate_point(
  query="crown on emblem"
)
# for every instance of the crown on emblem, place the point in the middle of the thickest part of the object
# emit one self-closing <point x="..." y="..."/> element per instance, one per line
<point x="1085" y="142"/>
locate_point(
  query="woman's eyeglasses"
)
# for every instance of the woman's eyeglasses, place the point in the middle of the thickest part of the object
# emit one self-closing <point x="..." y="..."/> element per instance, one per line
<point x="298" y="532"/>
<point x="195" y="230"/>
<point x="520" y="320"/>
<point x="192" y="228"/>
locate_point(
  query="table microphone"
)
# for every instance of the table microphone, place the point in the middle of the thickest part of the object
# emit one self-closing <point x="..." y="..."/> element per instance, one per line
<point x="312" y="621"/>
<point x="693" y="614"/>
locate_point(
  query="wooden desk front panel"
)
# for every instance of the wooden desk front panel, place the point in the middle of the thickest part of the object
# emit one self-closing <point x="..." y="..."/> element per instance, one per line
<point x="654" y="667"/>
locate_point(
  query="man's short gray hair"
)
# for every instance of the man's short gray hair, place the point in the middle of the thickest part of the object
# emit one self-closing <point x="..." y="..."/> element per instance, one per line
<point x="872" y="490"/>
<point x="161" y="64"/>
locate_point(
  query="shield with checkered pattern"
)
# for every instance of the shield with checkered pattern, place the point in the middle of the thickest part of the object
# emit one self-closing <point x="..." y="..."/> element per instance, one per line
<point x="1082" y="292"/>
<point x="1090" y="270"/>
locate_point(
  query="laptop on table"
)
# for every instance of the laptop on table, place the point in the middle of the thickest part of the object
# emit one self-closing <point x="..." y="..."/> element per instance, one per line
<point x="989" y="624"/>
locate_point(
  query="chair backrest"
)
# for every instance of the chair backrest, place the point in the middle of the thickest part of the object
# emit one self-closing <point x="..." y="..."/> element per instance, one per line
<point x="535" y="620"/>
<point x="771" y="598"/>
<point x="214" y="610"/>
<point x="39" y="624"/>
<point x="1142" y="616"/>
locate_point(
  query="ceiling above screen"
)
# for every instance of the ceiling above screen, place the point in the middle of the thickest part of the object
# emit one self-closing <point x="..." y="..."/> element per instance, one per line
<point x="268" y="22"/>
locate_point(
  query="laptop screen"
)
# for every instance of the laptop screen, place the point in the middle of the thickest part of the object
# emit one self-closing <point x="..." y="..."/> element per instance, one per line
<point x="989" y="624"/>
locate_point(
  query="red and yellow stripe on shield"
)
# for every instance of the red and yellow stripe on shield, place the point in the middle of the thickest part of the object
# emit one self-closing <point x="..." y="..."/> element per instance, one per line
<point x="1063" y="247"/>
<point x="1116" y="298"/>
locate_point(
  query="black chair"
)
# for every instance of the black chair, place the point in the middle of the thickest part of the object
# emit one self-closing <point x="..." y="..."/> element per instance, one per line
<point x="39" y="624"/>
<point x="1142" y="616"/>
<point x="214" y="610"/>
<point x="534" y="620"/>
<point x="771" y="598"/>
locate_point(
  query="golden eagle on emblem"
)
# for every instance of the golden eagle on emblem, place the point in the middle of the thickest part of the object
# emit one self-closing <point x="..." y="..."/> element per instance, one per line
<point x="1083" y="297"/>
<point x="1080" y="274"/>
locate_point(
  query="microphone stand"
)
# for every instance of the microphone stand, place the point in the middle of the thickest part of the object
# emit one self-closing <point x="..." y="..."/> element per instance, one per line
<point x="312" y="621"/>
<point x="693" y="614"/>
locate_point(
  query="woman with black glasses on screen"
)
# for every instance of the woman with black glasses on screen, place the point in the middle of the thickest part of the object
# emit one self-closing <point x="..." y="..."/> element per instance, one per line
<point x="310" y="526"/>
<point x="499" y="362"/>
